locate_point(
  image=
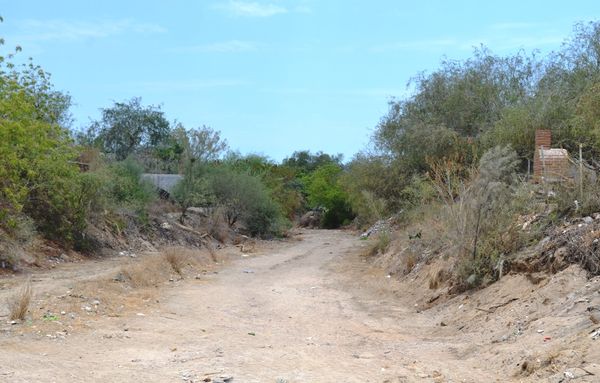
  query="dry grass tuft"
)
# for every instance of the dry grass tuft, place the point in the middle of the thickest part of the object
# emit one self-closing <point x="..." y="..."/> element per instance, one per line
<point x="178" y="258"/>
<point x="409" y="260"/>
<point x="192" y="257"/>
<point x="18" y="304"/>
<point x="148" y="271"/>
<point x="437" y="276"/>
<point x="217" y="227"/>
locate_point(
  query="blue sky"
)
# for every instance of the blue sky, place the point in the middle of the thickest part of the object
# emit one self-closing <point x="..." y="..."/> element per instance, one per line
<point x="273" y="76"/>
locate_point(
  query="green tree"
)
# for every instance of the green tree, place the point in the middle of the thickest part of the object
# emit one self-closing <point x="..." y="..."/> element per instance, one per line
<point x="305" y="162"/>
<point x="324" y="191"/>
<point x="193" y="189"/>
<point x="38" y="176"/>
<point x="128" y="127"/>
<point x="245" y="199"/>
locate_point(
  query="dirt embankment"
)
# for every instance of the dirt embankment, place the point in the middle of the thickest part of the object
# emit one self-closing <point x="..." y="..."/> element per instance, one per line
<point x="306" y="310"/>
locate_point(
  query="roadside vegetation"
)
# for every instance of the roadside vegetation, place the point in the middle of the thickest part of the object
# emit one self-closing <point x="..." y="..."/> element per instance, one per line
<point x="451" y="161"/>
<point x="448" y="164"/>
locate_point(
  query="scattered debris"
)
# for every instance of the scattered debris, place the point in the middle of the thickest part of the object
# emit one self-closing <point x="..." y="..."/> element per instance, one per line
<point x="378" y="227"/>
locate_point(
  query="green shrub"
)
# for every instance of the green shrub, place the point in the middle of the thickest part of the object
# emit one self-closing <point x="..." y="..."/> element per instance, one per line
<point x="245" y="199"/>
<point x="324" y="190"/>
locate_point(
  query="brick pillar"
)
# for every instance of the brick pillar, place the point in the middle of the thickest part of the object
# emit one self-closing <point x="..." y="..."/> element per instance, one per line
<point x="543" y="138"/>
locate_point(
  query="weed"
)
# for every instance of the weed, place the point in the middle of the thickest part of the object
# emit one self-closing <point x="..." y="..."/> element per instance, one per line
<point x="380" y="245"/>
<point x="18" y="304"/>
<point x="146" y="272"/>
<point x="177" y="258"/>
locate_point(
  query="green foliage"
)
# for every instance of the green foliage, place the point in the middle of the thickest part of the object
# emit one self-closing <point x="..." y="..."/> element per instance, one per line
<point x="323" y="190"/>
<point x="129" y="127"/>
<point x="192" y="190"/>
<point x="244" y="198"/>
<point x="282" y="181"/>
<point x="115" y="190"/>
<point x="305" y="162"/>
<point x="38" y="177"/>
<point x="126" y="187"/>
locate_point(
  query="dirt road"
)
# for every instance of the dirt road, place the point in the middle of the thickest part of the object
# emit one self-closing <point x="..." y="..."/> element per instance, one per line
<point x="304" y="311"/>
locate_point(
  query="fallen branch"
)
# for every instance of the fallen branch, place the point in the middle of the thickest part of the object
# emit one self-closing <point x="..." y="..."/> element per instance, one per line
<point x="189" y="229"/>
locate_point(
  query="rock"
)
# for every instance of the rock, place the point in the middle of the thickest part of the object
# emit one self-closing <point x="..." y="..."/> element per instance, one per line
<point x="588" y="220"/>
<point x="165" y="225"/>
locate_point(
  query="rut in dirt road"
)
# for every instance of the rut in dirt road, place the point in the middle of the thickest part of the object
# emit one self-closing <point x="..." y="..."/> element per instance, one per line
<point x="303" y="312"/>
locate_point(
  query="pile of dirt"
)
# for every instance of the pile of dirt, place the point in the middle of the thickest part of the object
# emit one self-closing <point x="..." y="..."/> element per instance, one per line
<point x="539" y="322"/>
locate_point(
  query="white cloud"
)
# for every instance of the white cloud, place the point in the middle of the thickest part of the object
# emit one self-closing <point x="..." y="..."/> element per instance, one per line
<point x="33" y="30"/>
<point x="252" y="8"/>
<point x="231" y="46"/>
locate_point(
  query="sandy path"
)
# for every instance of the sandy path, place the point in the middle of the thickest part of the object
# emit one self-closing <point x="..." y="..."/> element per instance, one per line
<point x="303" y="312"/>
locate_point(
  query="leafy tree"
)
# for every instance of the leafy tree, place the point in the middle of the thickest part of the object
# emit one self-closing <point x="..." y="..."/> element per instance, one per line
<point x="193" y="189"/>
<point x="128" y="127"/>
<point x="323" y="190"/>
<point x="245" y="199"/>
<point x="38" y="176"/>
<point x="305" y="162"/>
<point x="206" y="144"/>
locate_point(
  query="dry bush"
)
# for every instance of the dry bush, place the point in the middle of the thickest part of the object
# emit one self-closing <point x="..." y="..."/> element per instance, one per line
<point x="217" y="227"/>
<point x="18" y="303"/>
<point x="437" y="276"/>
<point x="147" y="271"/>
<point x="181" y="257"/>
<point x="177" y="258"/>
<point x="481" y="209"/>
<point x="410" y="260"/>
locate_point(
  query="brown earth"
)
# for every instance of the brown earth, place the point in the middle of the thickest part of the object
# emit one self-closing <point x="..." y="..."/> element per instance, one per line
<point x="311" y="310"/>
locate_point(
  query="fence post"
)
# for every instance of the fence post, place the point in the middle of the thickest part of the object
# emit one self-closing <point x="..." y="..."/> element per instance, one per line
<point x="580" y="173"/>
